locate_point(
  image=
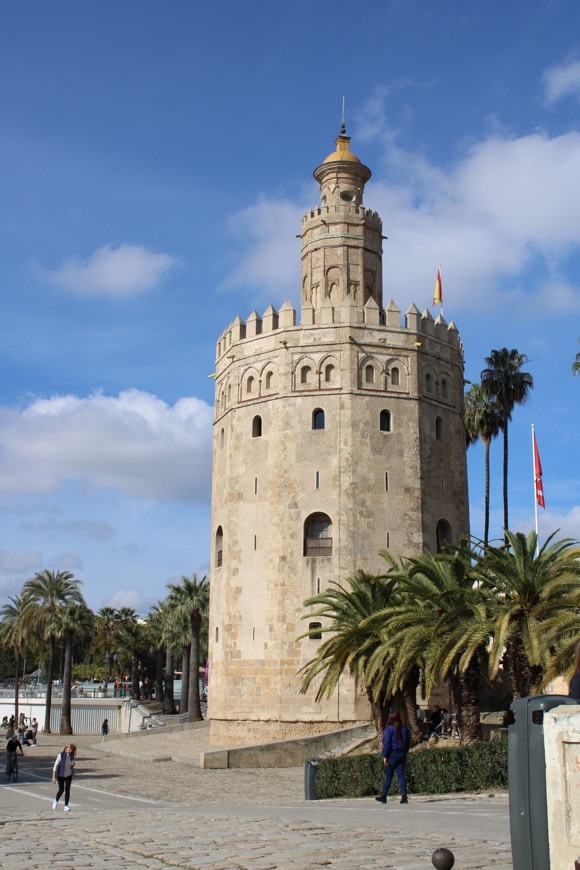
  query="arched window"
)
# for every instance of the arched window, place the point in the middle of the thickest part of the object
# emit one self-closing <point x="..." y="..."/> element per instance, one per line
<point x="444" y="534"/>
<point x="269" y="380"/>
<point x="257" y="427"/>
<point x="318" y="535"/>
<point x="329" y="374"/>
<point x="250" y="385"/>
<point x="369" y="374"/>
<point x="385" y="421"/>
<point x="219" y="547"/>
<point x="395" y="377"/>
<point x="439" y="428"/>
<point x="318" y="419"/>
<point x="305" y="374"/>
<point x="222" y="438"/>
<point x="314" y="630"/>
<point x="428" y="383"/>
<point x="444" y="389"/>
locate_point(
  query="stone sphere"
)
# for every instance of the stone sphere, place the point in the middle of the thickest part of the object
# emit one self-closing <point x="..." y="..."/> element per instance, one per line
<point x="442" y="859"/>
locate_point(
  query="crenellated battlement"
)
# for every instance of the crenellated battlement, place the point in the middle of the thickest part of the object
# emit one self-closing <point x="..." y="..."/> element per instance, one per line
<point x="341" y="211"/>
<point x="413" y="322"/>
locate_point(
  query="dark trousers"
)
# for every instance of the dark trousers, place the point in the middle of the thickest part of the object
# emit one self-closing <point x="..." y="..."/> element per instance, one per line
<point x="396" y="765"/>
<point x="64" y="786"/>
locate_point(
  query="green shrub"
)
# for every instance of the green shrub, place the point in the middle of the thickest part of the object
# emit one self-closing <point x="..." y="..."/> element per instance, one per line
<point x="432" y="770"/>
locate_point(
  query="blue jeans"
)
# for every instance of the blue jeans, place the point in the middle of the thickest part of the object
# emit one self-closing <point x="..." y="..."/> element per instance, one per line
<point x="396" y="765"/>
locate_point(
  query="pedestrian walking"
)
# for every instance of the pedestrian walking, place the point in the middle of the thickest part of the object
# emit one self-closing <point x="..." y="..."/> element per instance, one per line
<point x="395" y="749"/>
<point x="105" y="728"/>
<point x="63" y="771"/>
<point x="34" y="729"/>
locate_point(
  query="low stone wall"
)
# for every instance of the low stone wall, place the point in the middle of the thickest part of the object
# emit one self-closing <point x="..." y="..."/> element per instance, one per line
<point x="281" y="753"/>
<point x="228" y="732"/>
<point x="562" y="748"/>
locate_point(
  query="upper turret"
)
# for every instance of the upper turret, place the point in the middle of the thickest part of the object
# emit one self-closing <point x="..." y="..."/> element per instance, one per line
<point x="341" y="240"/>
<point x="341" y="175"/>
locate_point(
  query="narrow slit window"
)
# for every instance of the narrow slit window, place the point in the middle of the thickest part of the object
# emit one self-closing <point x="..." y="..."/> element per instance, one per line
<point x="217" y="634"/>
<point x="388" y="540"/>
<point x="386" y="481"/>
<point x="255" y="486"/>
<point x="255" y="542"/>
<point x="395" y="377"/>
<point x="317" y="480"/>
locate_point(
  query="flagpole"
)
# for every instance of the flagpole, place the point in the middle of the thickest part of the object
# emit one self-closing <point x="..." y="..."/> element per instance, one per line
<point x="535" y="489"/>
<point x="441" y="275"/>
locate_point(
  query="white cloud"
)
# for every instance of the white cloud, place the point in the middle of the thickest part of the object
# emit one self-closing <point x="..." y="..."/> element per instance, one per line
<point x="66" y="562"/>
<point x="20" y="561"/>
<point x="128" y="598"/>
<point x="567" y="523"/>
<point x="506" y="213"/>
<point x="561" y="81"/>
<point x="270" y="262"/>
<point x="134" y="443"/>
<point x="114" y="271"/>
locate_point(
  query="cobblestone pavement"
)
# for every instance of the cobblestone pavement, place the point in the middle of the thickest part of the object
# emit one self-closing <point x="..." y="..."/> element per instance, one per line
<point x="139" y="814"/>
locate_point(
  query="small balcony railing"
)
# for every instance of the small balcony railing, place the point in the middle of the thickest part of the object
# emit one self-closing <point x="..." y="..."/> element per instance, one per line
<point x="318" y="546"/>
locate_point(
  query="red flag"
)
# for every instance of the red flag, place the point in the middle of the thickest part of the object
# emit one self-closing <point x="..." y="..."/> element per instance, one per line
<point x="438" y="292"/>
<point x="538" y="475"/>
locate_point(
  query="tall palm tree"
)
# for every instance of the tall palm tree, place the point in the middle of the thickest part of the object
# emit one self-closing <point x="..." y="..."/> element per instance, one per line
<point x="177" y="635"/>
<point x="504" y="380"/>
<point x="529" y="591"/>
<point x="154" y="631"/>
<point x="576" y="364"/>
<point x="12" y="636"/>
<point x="132" y="638"/>
<point x="482" y="421"/>
<point x="74" y="621"/>
<point x="43" y="596"/>
<point x="106" y="625"/>
<point x="439" y="621"/>
<point x="354" y="637"/>
<point x="190" y="597"/>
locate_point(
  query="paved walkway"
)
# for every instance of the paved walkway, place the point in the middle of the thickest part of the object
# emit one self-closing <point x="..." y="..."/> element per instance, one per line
<point x="129" y="813"/>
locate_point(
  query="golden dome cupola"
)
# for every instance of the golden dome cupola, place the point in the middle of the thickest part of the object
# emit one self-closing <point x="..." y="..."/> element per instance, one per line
<point x="341" y="175"/>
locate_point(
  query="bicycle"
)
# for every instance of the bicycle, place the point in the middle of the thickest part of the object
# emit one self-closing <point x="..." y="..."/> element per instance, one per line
<point x="12" y="767"/>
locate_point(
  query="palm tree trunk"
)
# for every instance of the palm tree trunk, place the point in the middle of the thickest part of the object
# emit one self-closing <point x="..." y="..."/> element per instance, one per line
<point x="194" y="706"/>
<point x="49" y="675"/>
<point x="159" y="676"/>
<point x="168" y="702"/>
<point x="16" y="689"/>
<point x="185" y="668"/>
<point x="524" y="676"/>
<point x="505" y="477"/>
<point x="135" y="688"/>
<point x="486" y="517"/>
<point x="65" y="715"/>
<point x="470" y="725"/>
<point x="409" y="694"/>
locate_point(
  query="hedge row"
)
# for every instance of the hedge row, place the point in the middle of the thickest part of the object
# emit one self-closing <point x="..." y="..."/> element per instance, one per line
<point x="441" y="770"/>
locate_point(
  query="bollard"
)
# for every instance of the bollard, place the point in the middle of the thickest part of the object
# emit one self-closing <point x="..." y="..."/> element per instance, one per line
<point x="443" y="859"/>
<point x="310" y="768"/>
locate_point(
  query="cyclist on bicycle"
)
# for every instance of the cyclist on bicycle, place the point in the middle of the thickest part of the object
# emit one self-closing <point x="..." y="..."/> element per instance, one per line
<point x="12" y="747"/>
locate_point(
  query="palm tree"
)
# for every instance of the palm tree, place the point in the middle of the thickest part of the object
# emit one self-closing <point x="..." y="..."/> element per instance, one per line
<point x="504" y="381"/>
<point x="190" y="598"/>
<point x="12" y="636"/>
<point x="131" y="637"/>
<point x="106" y="625"/>
<point x="354" y="637"/>
<point x="154" y="631"/>
<point x="43" y="597"/>
<point x="576" y="364"/>
<point x="74" y="621"/>
<point x="439" y="622"/>
<point x="482" y="420"/>
<point x="530" y="591"/>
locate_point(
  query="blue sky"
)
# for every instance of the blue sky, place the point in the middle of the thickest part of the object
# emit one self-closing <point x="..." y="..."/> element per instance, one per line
<point x="155" y="161"/>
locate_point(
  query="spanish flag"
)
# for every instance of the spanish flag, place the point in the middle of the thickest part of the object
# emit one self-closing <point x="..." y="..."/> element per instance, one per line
<point x="438" y="292"/>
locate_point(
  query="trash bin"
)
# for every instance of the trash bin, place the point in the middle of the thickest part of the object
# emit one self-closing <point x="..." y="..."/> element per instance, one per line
<point x="310" y="769"/>
<point x="527" y="781"/>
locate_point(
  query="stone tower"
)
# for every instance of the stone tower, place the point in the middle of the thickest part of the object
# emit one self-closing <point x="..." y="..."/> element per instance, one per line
<point x="334" y="439"/>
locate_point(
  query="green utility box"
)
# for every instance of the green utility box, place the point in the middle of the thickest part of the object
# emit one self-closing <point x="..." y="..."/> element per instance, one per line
<point x="527" y="781"/>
